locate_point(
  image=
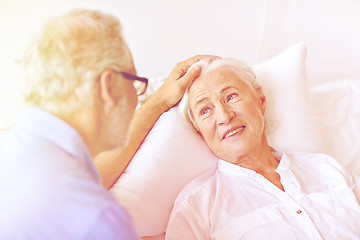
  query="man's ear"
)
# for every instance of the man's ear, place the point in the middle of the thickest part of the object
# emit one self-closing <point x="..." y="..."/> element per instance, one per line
<point x="105" y="83"/>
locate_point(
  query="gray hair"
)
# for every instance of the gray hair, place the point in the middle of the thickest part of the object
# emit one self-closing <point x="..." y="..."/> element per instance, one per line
<point x="64" y="60"/>
<point x="240" y="68"/>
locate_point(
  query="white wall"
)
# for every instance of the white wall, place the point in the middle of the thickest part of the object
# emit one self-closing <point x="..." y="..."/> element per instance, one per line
<point x="330" y="28"/>
<point x="162" y="32"/>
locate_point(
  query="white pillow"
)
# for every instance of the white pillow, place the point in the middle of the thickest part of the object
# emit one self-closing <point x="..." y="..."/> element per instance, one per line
<point x="290" y="123"/>
<point x="336" y="108"/>
<point x="173" y="153"/>
<point x="171" y="156"/>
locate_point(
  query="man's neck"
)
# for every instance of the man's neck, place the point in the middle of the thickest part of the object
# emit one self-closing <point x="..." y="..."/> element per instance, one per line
<point x="87" y="125"/>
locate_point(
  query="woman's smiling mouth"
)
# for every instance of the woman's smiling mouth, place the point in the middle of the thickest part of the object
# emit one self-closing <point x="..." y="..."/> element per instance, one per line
<point x="233" y="132"/>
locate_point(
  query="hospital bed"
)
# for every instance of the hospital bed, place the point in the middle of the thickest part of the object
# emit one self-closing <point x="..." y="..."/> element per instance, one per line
<point x="308" y="60"/>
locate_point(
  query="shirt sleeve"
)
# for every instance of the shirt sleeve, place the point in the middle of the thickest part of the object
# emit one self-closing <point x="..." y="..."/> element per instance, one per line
<point x="112" y="224"/>
<point x="186" y="223"/>
<point x="357" y="187"/>
<point x="353" y="181"/>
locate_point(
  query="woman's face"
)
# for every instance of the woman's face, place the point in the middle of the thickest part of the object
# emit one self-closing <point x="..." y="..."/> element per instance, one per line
<point x="228" y="114"/>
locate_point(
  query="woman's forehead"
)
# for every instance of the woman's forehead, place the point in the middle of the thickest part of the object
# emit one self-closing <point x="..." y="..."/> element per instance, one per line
<point x="216" y="80"/>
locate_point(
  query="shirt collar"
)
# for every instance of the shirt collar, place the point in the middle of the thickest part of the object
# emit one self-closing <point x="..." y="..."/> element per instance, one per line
<point x="233" y="169"/>
<point x="47" y="126"/>
<point x="284" y="163"/>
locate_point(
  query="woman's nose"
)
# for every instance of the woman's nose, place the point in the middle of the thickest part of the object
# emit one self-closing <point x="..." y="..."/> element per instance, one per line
<point x="224" y="114"/>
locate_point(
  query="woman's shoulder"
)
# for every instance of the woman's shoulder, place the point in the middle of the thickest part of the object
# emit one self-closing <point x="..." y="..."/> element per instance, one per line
<point x="200" y="187"/>
<point x="311" y="158"/>
<point x="318" y="163"/>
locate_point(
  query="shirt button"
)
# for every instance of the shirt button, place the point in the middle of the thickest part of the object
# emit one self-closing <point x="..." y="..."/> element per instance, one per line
<point x="299" y="211"/>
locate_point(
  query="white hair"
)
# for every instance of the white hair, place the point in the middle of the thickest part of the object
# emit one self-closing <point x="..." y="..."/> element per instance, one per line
<point x="64" y="60"/>
<point x="240" y="68"/>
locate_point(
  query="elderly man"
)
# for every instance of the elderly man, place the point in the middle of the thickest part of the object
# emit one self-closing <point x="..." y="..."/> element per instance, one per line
<point x="80" y="101"/>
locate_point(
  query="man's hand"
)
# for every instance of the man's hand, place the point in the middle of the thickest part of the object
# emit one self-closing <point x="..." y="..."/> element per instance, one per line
<point x="176" y="83"/>
<point x="112" y="164"/>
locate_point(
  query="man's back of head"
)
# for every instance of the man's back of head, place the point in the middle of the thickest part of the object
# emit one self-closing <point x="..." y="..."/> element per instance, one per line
<point x="64" y="60"/>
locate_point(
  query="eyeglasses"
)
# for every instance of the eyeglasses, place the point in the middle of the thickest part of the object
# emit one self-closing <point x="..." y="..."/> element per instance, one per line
<point x="140" y="83"/>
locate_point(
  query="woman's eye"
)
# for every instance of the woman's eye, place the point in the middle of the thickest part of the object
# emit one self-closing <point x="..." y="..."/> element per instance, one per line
<point x="204" y="111"/>
<point x="230" y="97"/>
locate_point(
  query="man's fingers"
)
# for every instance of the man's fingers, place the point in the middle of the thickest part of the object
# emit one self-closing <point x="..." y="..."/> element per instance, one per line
<point x="180" y="70"/>
<point x="190" y="76"/>
<point x="197" y="58"/>
<point x="182" y="67"/>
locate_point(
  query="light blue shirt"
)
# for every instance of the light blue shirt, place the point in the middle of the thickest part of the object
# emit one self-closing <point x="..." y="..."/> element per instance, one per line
<point x="49" y="186"/>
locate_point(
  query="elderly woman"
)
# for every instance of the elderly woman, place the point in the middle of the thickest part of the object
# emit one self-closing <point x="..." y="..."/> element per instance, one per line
<point x="256" y="192"/>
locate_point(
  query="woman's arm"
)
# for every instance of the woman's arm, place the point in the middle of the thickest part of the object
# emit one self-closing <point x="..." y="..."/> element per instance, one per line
<point x="111" y="164"/>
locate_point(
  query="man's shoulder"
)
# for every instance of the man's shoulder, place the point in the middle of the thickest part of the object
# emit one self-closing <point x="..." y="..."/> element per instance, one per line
<point x="114" y="222"/>
<point x="80" y="207"/>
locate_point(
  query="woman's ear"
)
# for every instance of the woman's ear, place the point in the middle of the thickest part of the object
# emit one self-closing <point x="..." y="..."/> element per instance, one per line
<point x="262" y="103"/>
<point x="261" y="97"/>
